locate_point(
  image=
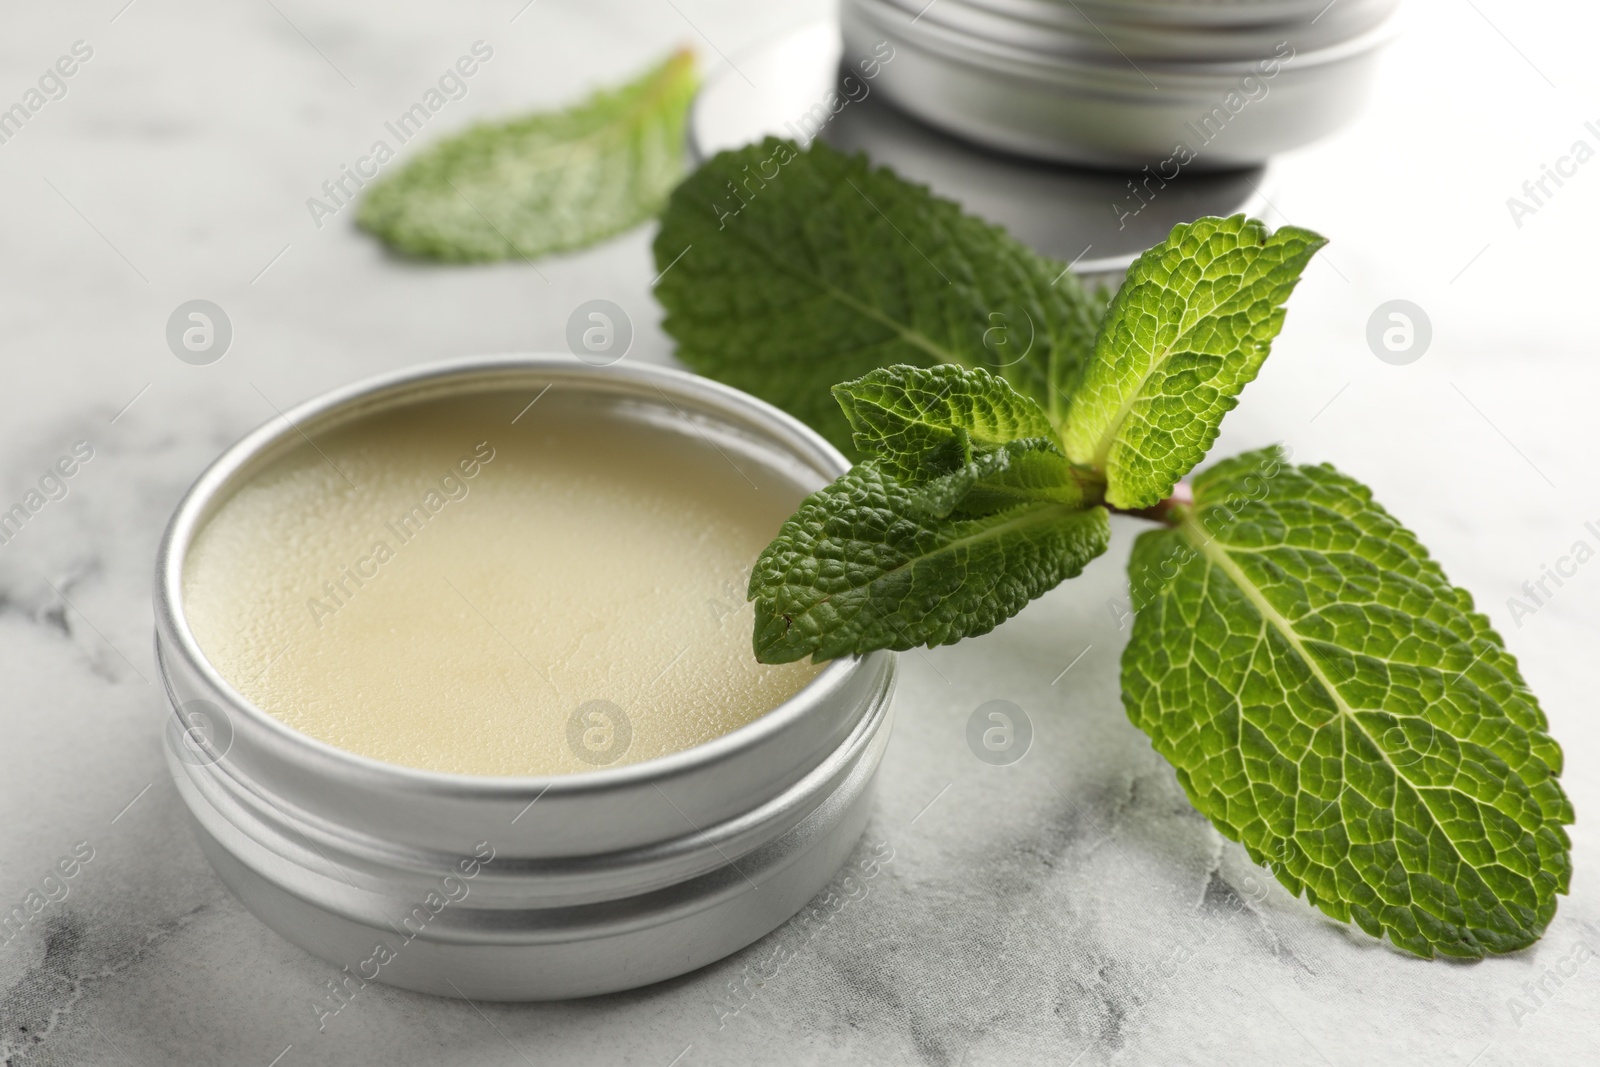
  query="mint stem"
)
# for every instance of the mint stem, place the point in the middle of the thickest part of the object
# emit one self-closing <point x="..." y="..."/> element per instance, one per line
<point x="1169" y="512"/>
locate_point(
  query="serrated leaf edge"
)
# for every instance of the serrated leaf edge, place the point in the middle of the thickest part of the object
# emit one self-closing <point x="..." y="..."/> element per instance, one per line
<point x="1270" y="616"/>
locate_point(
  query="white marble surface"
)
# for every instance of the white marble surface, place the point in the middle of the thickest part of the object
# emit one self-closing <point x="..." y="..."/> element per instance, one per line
<point x="1071" y="908"/>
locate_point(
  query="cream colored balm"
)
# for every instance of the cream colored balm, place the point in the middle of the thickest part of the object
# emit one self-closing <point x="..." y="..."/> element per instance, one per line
<point x="441" y="587"/>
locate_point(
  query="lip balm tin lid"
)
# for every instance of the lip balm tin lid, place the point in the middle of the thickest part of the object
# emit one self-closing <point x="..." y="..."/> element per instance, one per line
<point x="1126" y="36"/>
<point x="1113" y="84"/>
<point x="598" y="881"/>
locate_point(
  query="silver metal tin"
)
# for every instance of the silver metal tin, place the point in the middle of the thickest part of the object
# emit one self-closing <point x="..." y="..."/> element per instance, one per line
<point x="1125" y="33"/>
<point x="1122" y="87"/>
<point x="522" y="888"/>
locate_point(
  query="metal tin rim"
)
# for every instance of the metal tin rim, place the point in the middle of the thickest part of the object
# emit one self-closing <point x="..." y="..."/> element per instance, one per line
<point x="589" y="884"/>
<point x="1048" y="25"/>
<point x="174" y="631"/>
<point x="1173" y="14"/>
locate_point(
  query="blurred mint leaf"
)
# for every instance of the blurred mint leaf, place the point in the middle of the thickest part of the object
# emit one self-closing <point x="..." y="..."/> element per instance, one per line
<point x="862" y="566"/>
<point x="1331" y="701"/>
<point x="548" y="182"/>
<point x="1187" y="331"/>
<point x="923" y="422"/>
<point x="785" y="272"/>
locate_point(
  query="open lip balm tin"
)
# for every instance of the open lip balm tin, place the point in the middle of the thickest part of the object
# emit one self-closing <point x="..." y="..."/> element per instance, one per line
<point x="522" y="888"/>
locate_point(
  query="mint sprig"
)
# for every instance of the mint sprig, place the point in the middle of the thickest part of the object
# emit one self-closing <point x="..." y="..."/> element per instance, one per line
<point x="1327" y="697"/>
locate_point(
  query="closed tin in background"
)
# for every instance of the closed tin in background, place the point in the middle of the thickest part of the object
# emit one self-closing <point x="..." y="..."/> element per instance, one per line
<point x="1120" y="84"/>
<point x="523" y="888"/>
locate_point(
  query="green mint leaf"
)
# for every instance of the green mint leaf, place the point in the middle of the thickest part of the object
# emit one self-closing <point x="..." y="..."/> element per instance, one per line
<point x="923" y="422"/>
<point x="1034" y="471"/>
<point x="938" y="496"/>
<point x="1331" y="701"/>
<point x="784" y="272"/>
<point x="1187" y="331"/>
<point x="987" y="482"/>
<point x="544" y="183"/>
<point x="1031" y="470"/>
<point x="860" y="567"/>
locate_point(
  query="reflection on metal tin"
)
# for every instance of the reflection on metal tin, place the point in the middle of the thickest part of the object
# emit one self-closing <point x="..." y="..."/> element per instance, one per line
<point x="529" y="887"/>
